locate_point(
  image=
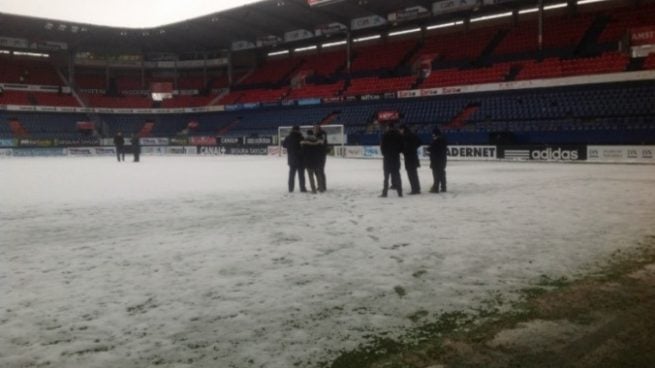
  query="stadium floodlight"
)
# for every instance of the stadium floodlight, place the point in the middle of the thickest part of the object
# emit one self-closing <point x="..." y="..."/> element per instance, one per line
<point x="276" y="53"/>
<point x="556" y="6"/>
<point x="306" y="48"/>
<point x="444" y="25"/>
<point x="528" y="11"/>
<point x="367" y="38"/>
<point x="405" y="31"/>
<point x="336" y="136"/>
<point x="551" y="7"/>
<point x="31" y="54"/>
<point x="491" y="16"/>
<point x="583" y="2"/>
<point x="333" y="44"/>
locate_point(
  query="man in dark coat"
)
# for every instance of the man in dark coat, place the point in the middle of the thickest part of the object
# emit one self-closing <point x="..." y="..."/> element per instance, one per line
<point x="294" y="158"/>
<point x="136" y="147"/>
<point x="321" y="137"/>
<point x="438" y="158"/>
<point x="411" y="144"/>
<point x="311" y="153"/>
<point x="119" y="142"/>
<point x="391" y="147"/>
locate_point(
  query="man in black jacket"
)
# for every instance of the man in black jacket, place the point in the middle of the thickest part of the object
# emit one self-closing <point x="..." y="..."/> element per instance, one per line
<point x="136" y="147"/>
<point x="411" y="144"/>
<point x="438" y="158"/>
<point x="294" y="158"/>
<point x="321" y="137"/>
<point x="119" y="142"/>
<point x="311" y="153"/>
<point x="391" y="147"/>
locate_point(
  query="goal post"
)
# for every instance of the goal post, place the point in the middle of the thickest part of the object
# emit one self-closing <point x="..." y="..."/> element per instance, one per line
<point x="336" y="136"/>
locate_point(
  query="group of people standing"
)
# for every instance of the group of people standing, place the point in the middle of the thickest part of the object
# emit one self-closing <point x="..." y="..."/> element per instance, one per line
<point x="309" y="153"/>
<point x="396" y="141"/>
<point x="119" y="143"/>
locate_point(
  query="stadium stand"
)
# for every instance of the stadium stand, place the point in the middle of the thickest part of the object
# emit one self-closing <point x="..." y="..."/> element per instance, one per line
<point x="575" y="44"/>
<point x="28" y="71"/>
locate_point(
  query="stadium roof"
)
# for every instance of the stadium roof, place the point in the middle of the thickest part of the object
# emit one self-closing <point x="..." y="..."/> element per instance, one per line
<point x="141" y="14"/>
<point x="219" y="30"/>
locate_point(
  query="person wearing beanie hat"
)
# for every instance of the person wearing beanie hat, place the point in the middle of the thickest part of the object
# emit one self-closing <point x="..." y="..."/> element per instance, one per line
<point x="294" y="158"/>
<point x="438" y="157"/>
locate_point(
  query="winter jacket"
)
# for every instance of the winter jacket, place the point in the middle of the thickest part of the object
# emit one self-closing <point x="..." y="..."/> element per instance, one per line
<point x="411" y="144"/>
<point x="294" y="149"/>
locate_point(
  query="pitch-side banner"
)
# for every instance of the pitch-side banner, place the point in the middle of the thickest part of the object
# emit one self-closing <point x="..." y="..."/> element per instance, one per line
<point x="465" y="153"/>
<point x="641" y="154"/>
<point x="544" y="153"/>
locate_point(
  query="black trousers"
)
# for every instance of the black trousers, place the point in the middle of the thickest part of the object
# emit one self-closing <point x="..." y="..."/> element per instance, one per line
<point x="392" y="170"/>
<point x="120" y="153"/>
<point x="312" y="174"/>
<point x="293" y="169"/>
<point x="137" y="154"/>
<point x="412" y="175"/>
<point x="439" y="177"/>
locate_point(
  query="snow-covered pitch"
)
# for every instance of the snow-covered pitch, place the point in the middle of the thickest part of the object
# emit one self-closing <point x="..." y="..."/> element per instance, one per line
<point x="209" y="262"/>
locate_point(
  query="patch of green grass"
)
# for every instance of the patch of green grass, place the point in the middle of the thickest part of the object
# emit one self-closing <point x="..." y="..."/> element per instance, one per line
<point x="423" y="345"/>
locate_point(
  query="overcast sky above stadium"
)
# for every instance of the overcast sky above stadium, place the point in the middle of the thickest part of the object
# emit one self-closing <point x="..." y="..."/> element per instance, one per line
<point x="119" y="13"/>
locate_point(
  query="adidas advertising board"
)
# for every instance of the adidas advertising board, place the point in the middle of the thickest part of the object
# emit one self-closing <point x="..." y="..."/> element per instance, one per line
<point x="544" y="153"/>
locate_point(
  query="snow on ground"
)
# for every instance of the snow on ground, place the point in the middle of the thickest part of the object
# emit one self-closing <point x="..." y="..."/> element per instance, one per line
<point x="208" y="262"/>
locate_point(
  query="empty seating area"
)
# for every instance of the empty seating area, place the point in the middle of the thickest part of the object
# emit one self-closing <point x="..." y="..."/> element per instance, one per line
<point x="324" y="64"/>
<point x="253" y="96"/>
<point x="139" y="102"/>
<point x="380" y="57"/>
<point x="15" y="98"/>
<point x="603" y="110"/>
<point x="55" y="99"/>
<point x="48" y="126"/>
<point x="315" y="91"/>
<point x="622" y="20"/>
<point x="559" y="33"/>
<point x="649" y="63"/>
<point x="455" y="77"/>
<point x="458" y="46"/>
<point x="374" y="85"/>
<point x="28" y="71"/>
<point x="553" y="67"/>
<point x="186" y="101"/>
<point x="272" y="71"/>
<point x="86" y="78"/>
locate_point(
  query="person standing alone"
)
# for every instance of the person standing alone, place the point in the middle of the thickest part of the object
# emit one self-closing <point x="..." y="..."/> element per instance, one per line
<point x="391" y="147"/>
<point x="294" y="158"/>
<point x="119" y="142"/>
<point x="411" y="144"/>
<point x="136" y="147"/>
<point x="438" y="158"/>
